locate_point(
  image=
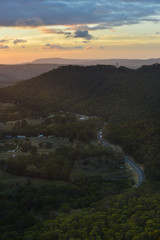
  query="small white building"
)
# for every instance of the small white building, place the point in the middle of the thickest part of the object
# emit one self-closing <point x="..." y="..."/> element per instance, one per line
<point x="49" y="137"/>
<point x="21" y="137"/>
<point x="41" y="136"/>
<point x="50" y="116"/>
<point x="81" y="117"/>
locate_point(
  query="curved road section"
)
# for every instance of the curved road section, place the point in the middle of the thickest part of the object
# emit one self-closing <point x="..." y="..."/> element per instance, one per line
<point x="131" y="163"/>
<point x="137" y="169"/>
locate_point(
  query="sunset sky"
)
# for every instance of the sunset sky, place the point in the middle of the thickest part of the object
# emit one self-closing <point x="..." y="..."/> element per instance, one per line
<point x="31" y="29"/>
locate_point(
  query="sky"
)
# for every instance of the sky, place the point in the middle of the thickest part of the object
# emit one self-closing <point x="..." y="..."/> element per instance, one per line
<point x="89" y="29"/>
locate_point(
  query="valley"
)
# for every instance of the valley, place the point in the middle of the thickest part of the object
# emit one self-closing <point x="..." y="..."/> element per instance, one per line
<point x="21" y="146"/>
<point x="55" y="171"/>
<point x="79" y="120"/>
<point x="10" y="74"/>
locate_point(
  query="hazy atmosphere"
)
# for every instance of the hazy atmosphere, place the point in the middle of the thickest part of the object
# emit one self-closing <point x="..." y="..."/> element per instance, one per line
<point x="80" y="120"/>
<point x="78" y="29"/>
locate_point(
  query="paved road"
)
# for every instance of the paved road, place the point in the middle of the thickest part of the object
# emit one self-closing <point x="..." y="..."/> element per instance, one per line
<point x="137" y="169"/>
<point x="131" y="163"/>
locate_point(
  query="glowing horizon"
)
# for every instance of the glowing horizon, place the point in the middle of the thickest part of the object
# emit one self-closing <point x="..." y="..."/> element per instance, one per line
<point x="78" y="30"/>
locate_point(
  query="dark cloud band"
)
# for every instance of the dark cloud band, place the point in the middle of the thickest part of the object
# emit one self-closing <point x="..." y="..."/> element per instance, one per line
<point x="4" y="47"/>
<point x="62" y="12"/>
<point x="59" y="47"/>
<point x="16" y="41"/>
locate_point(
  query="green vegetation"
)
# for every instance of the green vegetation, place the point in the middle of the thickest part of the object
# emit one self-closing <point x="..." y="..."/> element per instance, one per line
<point x="62" y="125"/>
<point x="141" y="139"/>
<point x="65" y="212"/>
<point x="28" y="205"/>
<point x="89" y="203"/>
<point x="130" y="215"/>
<point x="60" y="164"/>
<point x="94" y="90"/>
<point x="128" y="99"/>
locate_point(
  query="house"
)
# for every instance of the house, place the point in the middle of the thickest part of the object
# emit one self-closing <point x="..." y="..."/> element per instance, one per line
<point x="50" y="116"/>
<point x="83" y="117"/>
<point x="21" y="137"/>
<point x="8" y="136"/>
<point x="41" y="136"/>
<point x="49" y="137"/>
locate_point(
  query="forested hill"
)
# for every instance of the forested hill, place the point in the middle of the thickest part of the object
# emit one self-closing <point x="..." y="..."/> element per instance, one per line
<point x="100" y="90"/>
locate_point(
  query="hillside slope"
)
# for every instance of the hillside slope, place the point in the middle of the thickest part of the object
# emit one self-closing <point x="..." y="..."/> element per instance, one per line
<point x="128" y="99"/>
<point x="101" y="90"/>
<point x="130" y="63"/>
<point x="10" y="74"/>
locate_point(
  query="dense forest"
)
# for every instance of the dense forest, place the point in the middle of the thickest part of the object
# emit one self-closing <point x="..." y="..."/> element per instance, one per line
<point x="127" y="99"/>
<point x="76" y="212"/>
<point x="92" y="207"/>
<point x="60" y="164"/>
<point x="96" y="90"/>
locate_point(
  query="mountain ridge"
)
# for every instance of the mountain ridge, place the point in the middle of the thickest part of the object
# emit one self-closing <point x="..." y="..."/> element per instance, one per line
<point x="131" y="63"/>
<point x="127" y="99"/>
<point x="74" y="86"/>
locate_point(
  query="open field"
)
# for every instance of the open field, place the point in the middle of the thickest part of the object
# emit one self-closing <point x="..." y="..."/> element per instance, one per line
<point x="55" y="143"/>
<point x="11" y="124"/>
<point x="6" y="105"/>
<point x="96" y="166"/>
<point x="8" y="178"/>
<point x="30" y="121"/>
<point x="83" y="168"/>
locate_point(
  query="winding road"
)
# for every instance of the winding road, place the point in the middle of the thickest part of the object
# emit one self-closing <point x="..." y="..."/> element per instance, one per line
<point x="138" y="170"/>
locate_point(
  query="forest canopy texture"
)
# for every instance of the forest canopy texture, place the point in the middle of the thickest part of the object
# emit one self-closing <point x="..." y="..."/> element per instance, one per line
<point x="128" y="101"/>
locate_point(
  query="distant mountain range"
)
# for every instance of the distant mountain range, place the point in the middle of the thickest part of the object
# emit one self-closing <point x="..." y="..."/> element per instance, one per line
<point x="10" y="74"/>
<point x="130" y="63"/>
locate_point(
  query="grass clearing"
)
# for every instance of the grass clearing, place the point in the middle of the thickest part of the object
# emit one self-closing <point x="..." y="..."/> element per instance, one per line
<point x="55" y="143"/>
<point x="30" y="121"/>
<point x="95" y="166"/>
<point x="8" y="178"/>
<point x="6" y="105"/>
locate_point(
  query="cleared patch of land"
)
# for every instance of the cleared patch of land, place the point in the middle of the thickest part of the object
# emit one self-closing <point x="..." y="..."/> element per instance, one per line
<point x="44" y="145"/>
<point x="6" y="105"/>
<point x="53" y="143"/>
<point x="8" y="178"/>
<point x="99" y="166"/>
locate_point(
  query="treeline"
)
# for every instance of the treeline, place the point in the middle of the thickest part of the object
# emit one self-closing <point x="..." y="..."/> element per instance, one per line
<point x="129" y="101"/>
<point x="97" y="90"/>
<point x="141" y="139"/>
<point x="85" y="130"/>
<point x="122" y="96"/>
<point x="58" y="165"/>
<point x="131" y="215"/>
